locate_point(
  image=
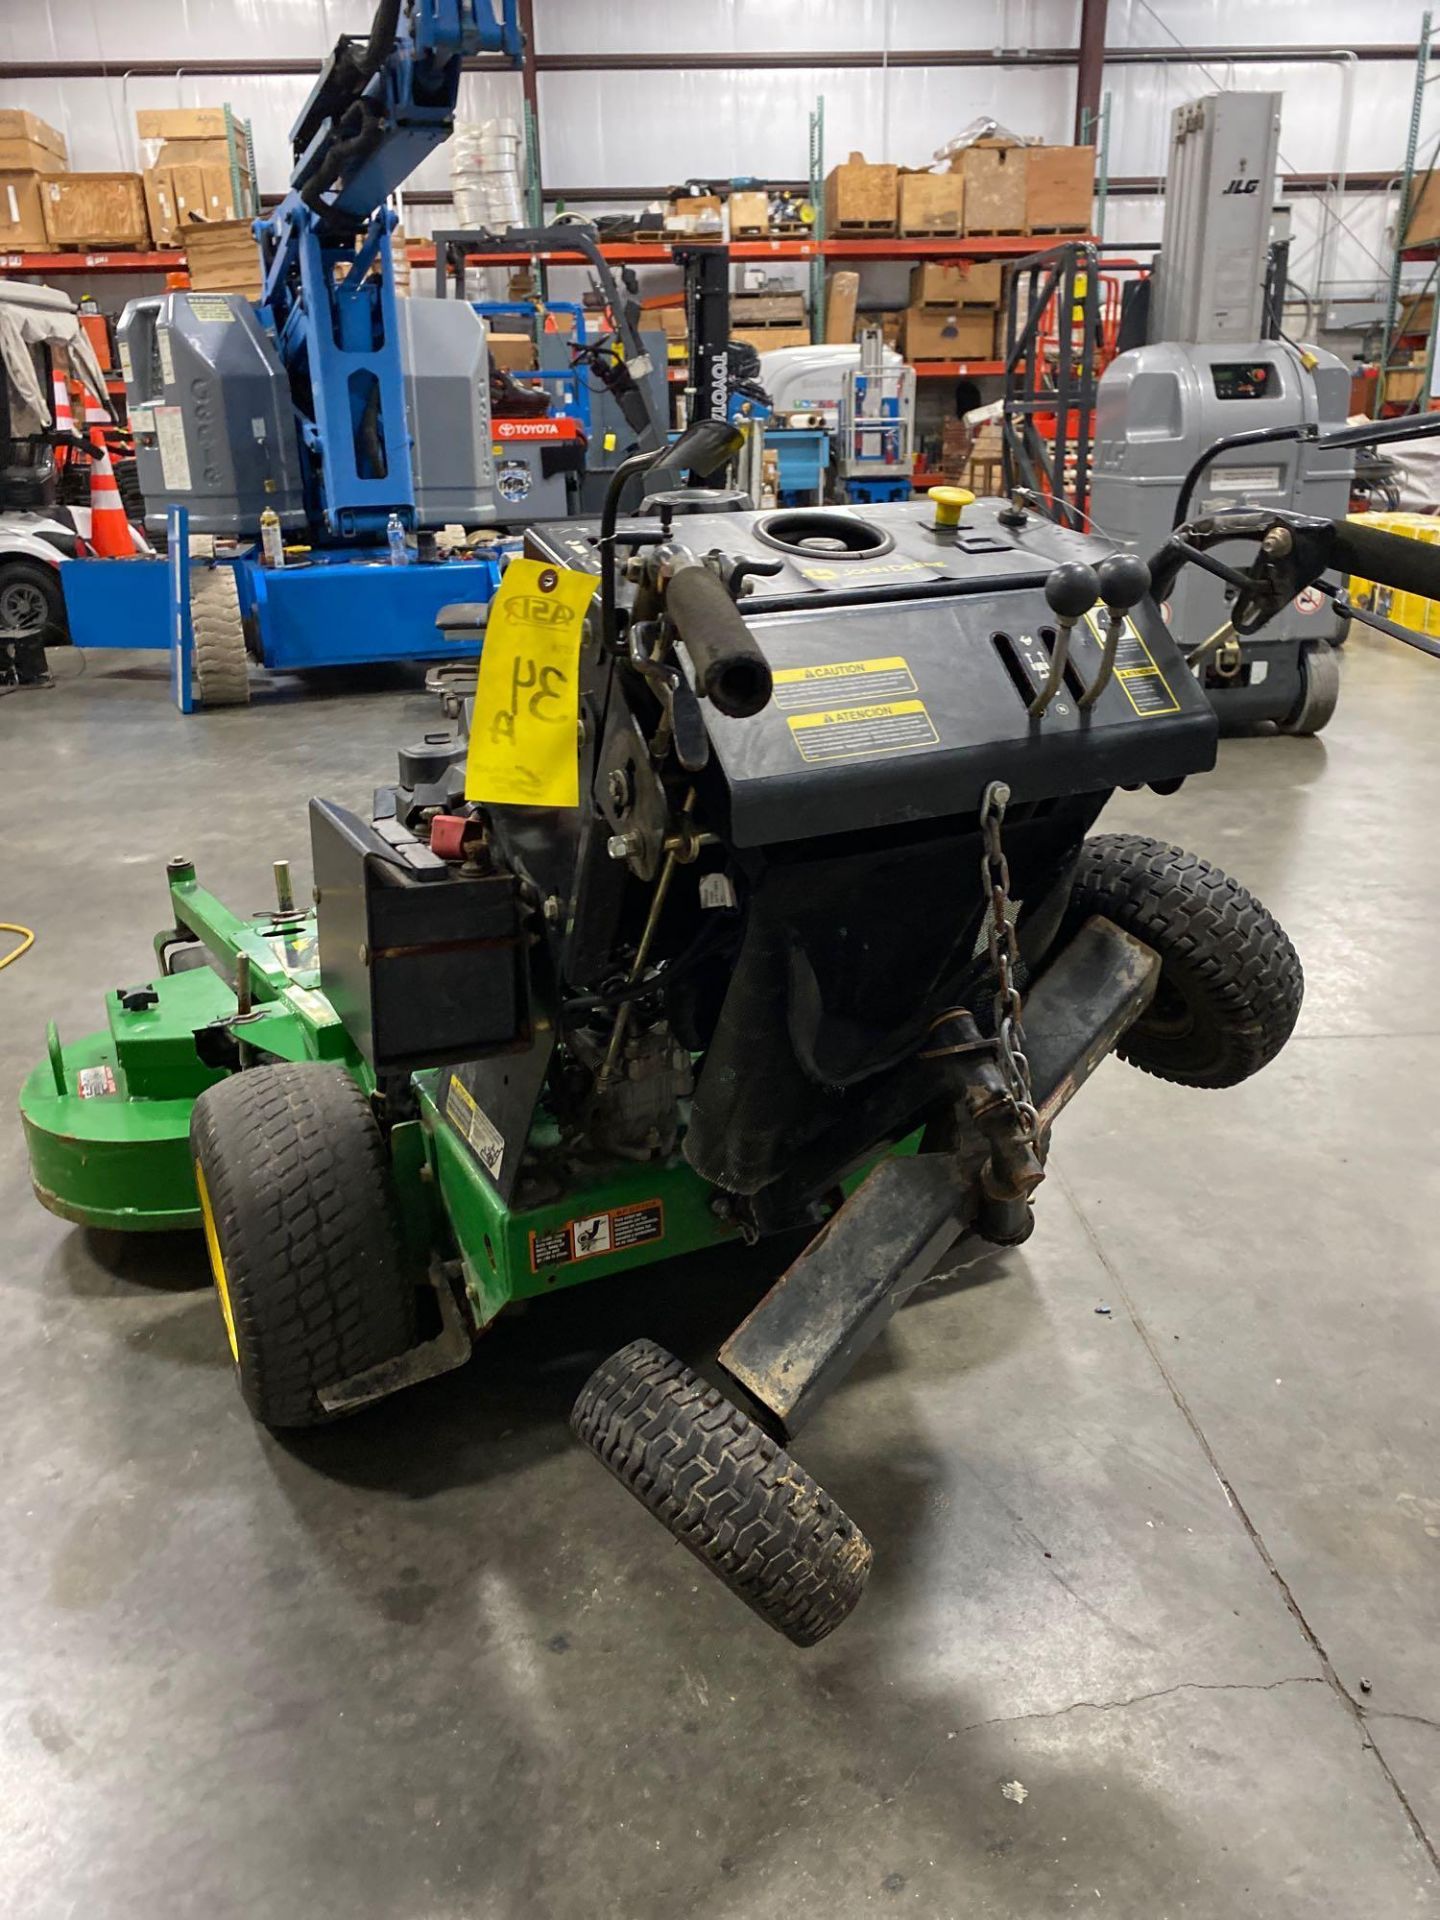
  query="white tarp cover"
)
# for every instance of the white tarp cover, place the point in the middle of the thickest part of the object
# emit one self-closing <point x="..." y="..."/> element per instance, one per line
<point x="26" y="324"/>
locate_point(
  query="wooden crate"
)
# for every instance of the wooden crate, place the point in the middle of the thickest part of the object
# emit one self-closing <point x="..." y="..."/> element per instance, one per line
<point x="1404" y="385"/>
<point x="768" y="339"/>
<point x="1059" y="189"/>
<point x="932" y="204"/>
<point x="842" y="294"/>
<point x="749" y="216"/>
<point x="695" y="216"/>
<point x="861" y="199"/>
<point x="962" y="333"/>
<point x="22" y="213"/>
<point x="767" y="310"/>
<point x="95" y="210"/>
<point x="223" y="258"/>
<point x="955" y="283"/>
<point x="994" y="188"/>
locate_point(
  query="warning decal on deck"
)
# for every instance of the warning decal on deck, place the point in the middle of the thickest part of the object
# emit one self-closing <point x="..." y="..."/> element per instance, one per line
<point x="856" y="733"/>
<point x="91" y="1082"/>
<point x="595" y="1233"/>
<point x="1142" y="682"/>
<point x="472" y="1123"/>
<point x="801" y="689"/>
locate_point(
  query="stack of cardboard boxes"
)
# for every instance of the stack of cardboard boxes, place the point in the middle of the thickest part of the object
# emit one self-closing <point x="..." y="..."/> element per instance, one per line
<point x="30" y="150"/>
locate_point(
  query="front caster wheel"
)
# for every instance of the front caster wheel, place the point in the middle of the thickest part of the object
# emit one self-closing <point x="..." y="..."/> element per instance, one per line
<point x="1230" y="982"/>
<point x="726" y="1491"/>
<point x="1319" y="691"/>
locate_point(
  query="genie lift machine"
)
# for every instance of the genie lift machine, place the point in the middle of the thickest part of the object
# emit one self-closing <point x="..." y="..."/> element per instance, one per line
<point x="1213" y="415"/>
<point x="360" y="421"/>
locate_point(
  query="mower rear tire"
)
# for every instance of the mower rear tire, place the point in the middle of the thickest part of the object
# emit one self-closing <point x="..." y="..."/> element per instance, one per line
<point x="294" y="1187"/>
<point x="222" y="663"/>
<point x="725" y="1490"/>
<point x="1319" y="691"/>
<point x="1230" y="983"/>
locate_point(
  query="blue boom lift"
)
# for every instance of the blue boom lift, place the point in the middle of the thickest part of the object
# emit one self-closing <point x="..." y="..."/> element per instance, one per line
<point x="355" y="418"/>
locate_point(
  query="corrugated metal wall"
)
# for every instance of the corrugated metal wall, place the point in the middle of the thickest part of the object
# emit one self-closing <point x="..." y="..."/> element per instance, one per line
<point x="634" y="129"/>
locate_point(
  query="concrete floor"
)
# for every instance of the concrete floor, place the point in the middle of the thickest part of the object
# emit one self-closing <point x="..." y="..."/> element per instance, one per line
<point x="1134" y="1572"/>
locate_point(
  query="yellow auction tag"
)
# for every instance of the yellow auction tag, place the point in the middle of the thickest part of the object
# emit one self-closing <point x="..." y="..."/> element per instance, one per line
<point x="524" y="743"/>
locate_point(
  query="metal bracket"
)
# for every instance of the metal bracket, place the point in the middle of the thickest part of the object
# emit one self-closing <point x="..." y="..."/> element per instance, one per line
<point x="448" y="1350"/>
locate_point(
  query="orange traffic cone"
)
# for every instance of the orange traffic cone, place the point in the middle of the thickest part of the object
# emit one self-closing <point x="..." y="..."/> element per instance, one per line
<point x="109" y="529"/>
<point x="64" y="416"/>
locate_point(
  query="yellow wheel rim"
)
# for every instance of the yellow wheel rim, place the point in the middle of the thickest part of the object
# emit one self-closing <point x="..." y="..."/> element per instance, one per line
<point x="217" y="1262"/>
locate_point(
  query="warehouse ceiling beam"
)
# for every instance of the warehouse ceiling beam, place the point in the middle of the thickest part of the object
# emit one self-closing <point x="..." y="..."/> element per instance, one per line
<point x="1163" y="56"/>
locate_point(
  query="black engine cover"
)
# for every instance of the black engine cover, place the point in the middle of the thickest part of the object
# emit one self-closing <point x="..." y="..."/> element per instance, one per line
<point x="905" y="658"/>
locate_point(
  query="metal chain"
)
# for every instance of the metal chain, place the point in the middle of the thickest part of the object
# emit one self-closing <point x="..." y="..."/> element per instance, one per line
<point x="1005" y="958"/>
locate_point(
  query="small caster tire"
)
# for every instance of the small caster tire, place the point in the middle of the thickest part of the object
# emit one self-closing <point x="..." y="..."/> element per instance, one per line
<point x="725" y="1490"/>
<point x="1230" y="984"/>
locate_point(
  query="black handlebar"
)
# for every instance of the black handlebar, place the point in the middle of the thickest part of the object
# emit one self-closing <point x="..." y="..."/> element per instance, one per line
<point x="1389" y="559"/>
<point x="730" y="668"/>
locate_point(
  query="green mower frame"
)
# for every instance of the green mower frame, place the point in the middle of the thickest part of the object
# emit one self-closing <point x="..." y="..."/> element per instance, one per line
<point x="108" y="1125"/>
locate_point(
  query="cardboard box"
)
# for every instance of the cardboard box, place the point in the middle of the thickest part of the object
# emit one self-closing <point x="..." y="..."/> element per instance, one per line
<point x="860" y="198"/>
<point x="841" y="296"/>
<point x="1424" y="221"/>
<point x="769" y="339"/>
<point x="672" y="322"/>
<point x="994" y="187"/>
<point x="28" y="156"/>
<point x="180" y="123"/>
<point x="892" y="327"/>
<point x="1059" y="189"/>
<point x="19" y="128"/>
<point x="695" y="216"/>
<point x="955" y="283"/>
<point x="515" y="352"/>
<point x="1404" y="385"/>
<point x="95" y="210"/>
<point x="931" y="203"/>
<point x="222" y="258"/>
<point x="1415" y="313"/>
<point x="22" y="213"/>
<point x="962" y="333"/>
<point x="749" y="215"/>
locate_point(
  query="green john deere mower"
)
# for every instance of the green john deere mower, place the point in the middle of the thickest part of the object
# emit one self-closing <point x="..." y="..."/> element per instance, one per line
<point x="825" y="942"/>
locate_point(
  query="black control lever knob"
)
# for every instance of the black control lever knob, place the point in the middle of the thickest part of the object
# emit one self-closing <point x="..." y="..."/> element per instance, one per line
<point x="1072" y="589"/>
<point x="1124" y="581"/>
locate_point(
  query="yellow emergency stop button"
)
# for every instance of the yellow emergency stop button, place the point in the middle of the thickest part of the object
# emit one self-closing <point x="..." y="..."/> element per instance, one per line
<point x="949" y="504"/>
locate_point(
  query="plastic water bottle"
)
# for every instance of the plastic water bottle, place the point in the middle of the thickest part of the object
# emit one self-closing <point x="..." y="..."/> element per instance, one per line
<point x="395" y="535"/>
<point x="272" y="546"/>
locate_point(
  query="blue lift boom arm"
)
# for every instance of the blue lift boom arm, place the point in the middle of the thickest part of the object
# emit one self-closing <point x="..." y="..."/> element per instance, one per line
<point x="381" y="104"/>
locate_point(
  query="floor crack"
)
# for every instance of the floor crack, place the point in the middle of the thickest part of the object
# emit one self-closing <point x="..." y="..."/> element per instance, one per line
<point x="1157" y="1693"/>
<point x="1393" y="1713"/>
<point x="1356" y="1708"/>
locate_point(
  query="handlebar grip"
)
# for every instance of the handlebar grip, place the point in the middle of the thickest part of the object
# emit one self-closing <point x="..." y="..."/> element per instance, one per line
<point x="730" y="668"/>
<point x="1389" y="559"/>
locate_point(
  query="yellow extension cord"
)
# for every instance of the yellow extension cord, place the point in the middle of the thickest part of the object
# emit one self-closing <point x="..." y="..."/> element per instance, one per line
<point x="27" y="941"/>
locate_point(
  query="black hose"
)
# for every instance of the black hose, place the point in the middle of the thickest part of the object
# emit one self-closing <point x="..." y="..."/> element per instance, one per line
<point x="380" y="45"/>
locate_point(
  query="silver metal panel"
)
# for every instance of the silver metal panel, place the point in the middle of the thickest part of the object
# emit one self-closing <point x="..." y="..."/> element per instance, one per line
<point x="1220" y="190"/>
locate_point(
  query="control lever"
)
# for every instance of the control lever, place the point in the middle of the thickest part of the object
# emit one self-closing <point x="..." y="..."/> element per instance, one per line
<point x="735" y="572"/>
<point x="1124" y="582"/>
<point x="1071" y="590"/>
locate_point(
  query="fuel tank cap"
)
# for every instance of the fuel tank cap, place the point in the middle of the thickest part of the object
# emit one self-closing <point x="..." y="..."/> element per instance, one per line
<point x="817" y="530"/>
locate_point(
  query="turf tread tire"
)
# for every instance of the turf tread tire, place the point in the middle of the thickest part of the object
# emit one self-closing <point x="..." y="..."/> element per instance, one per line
<point x="725" y="1490"/>
<point x="1228" y="959"/>
<point x="298" y="1181"/>
<point x="1319" y="692"/>
<point x="222" y="663"/>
